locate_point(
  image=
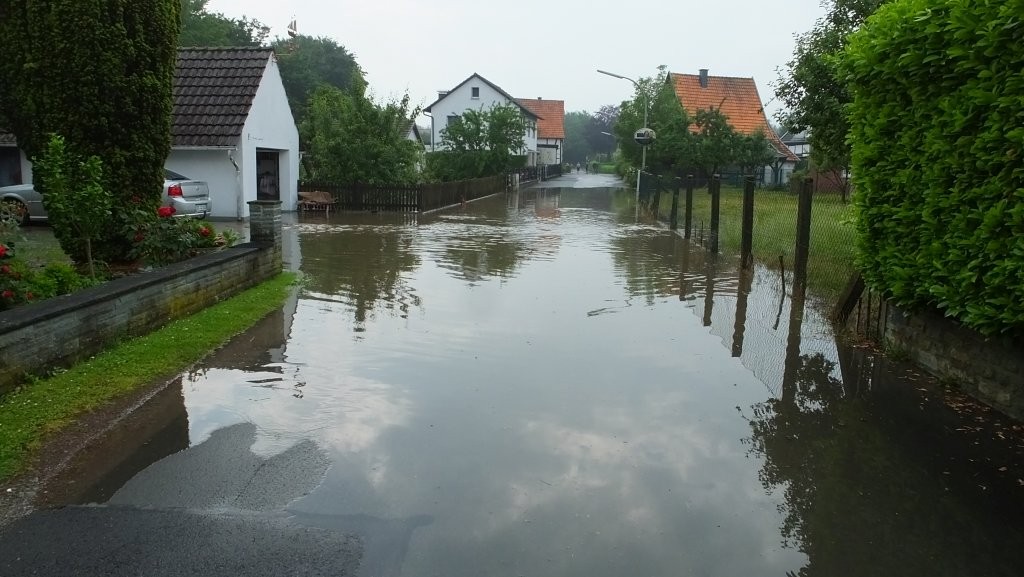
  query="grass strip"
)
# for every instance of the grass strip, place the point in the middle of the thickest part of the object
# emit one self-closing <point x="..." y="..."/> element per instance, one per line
<point x="44" y="406"/>
<point x="831" y="255"/>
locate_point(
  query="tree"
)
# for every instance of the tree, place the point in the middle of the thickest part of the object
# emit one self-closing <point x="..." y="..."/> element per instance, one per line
<point x="577" y="146"/>
<point x="98" y="72"/>
<point x="200" y="27"/>
<point x="811" y="87"/>
<point x="307" y="63"/>
<point x="351" y="138"/>
<point x="480" y="143"/>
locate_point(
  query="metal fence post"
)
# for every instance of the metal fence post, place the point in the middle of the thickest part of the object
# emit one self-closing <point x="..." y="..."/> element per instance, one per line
<point x="673" y="219"/>
<point x="747" y="233"/>
<point x="716" y="197"/>
<point x="688" y="212"/>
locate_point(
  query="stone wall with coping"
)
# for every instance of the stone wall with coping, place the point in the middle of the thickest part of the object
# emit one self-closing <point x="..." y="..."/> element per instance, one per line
<point x="991" y="369"/>
<point x="60" y="331"/>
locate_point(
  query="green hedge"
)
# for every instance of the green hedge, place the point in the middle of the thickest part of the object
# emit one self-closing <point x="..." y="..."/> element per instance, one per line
<point x="937" y="129"/>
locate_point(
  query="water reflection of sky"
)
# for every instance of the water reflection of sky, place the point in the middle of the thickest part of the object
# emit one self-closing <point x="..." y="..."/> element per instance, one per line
<point x="540" y="438"/>
<point x="563" y="391"/>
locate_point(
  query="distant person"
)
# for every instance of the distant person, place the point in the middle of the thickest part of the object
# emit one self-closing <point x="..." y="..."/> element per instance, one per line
<point x="586" y="167"/>
<point x="577" y="167"/>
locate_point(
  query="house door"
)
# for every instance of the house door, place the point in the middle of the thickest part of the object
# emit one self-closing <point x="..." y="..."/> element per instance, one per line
<point x="268" y="175"/>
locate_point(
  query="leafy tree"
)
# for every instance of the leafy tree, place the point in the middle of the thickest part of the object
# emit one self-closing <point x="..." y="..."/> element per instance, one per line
<point x="753" y="152"/>
<point x="200" y="27"/>
<point x="98" y="72"/>
<point x="812" y="88"/>
<point x="76" y="204"/>
<point x="351" y="138"/>
<point x="577" y="146"/>
<point x="480" y="143"/>
<point x="307" y="63"/>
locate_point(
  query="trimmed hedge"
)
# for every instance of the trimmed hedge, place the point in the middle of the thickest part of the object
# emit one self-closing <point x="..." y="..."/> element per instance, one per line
<point x="937" y="129"/>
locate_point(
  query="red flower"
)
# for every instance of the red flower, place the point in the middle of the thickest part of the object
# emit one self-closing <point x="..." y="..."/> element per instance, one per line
<point x="165" y="211"/>
<point x="3" y="250"/>
<point x="29" y="296"/>
<point x="139" y="236"/>
<point x="8" y="294"/>
<point x="5" y="269"/>
<point x="204" y="231"/>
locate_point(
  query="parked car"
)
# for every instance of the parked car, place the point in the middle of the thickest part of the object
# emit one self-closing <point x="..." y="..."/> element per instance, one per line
<point x="188" y="197"/>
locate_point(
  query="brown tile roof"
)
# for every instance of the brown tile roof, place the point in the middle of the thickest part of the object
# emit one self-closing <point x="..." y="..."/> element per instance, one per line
<point x="738" y="99"/>
<point x="213" y="91"/>
<point x="551" y="114"/>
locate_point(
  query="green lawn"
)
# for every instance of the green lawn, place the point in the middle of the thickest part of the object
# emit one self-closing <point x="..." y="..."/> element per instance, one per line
<point x="43" y="406"/>
<point x="830" y="263"/>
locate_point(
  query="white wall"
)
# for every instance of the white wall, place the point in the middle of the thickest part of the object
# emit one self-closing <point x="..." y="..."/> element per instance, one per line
<point x="550" y="155"/>
<point x="214" y="166"/>
<point x="270" y="125"/>
<point x="461" y="99"/>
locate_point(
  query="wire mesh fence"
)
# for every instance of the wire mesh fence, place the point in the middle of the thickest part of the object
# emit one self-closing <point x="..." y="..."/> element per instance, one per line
<point x="830" y="250"/>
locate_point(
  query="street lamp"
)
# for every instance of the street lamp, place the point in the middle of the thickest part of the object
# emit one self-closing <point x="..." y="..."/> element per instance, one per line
<point x="643" y="148"/>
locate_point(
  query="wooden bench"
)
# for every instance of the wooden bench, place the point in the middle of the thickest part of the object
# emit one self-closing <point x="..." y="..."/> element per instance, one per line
<point x="316" y="200"/>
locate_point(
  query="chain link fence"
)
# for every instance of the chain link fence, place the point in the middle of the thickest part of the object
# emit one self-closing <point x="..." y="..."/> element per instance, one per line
<point x="830" y="251"/>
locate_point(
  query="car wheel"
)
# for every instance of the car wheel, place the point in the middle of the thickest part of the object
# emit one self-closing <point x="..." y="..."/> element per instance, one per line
<point x="19" y="208"/>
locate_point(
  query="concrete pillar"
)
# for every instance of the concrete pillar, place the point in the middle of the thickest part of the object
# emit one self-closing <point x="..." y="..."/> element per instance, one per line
<point x="265" y="225"/>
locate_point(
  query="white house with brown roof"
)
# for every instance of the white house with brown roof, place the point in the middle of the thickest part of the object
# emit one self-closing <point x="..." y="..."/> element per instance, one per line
<point x="550" y="127"/>
<point x="740" y="102"/>
<point x="478" y="93"/>
<point x="231" y="127"/>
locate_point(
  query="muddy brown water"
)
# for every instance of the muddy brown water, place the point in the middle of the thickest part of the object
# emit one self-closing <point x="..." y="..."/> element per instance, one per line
<point x="545" y="385"/>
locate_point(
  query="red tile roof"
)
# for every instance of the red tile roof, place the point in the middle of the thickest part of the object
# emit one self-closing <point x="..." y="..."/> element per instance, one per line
<point x="551" y="113"/>
<point x="736" y="97"/>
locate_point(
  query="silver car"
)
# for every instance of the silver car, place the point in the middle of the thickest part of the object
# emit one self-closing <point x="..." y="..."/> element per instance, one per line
<point x="188" y="197"/>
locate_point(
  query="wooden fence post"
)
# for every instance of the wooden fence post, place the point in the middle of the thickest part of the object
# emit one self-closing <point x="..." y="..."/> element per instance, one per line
<point x="747" y="234"/>
<point x="803" y="237"/>
<point x="673" y="218"/>
<point x="688" y="213"/>
<point x="716" y="198"/>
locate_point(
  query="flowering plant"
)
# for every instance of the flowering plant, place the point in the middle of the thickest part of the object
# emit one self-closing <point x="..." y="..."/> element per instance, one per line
<point x="164" y="240"/>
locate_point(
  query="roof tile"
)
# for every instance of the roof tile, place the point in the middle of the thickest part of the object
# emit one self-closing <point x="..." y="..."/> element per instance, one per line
<point x="551" y="114"/>
<point x="737" y="98"/>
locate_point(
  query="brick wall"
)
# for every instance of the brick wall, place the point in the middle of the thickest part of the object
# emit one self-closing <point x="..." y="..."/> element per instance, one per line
<point x="62" y="330"/>
<point x="991" y="369"/>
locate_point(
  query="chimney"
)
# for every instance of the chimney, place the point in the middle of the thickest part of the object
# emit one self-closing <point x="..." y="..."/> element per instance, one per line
<point x="442" y="93"/>
<point x="539" y="98"/>
<point x="703" y="77"/>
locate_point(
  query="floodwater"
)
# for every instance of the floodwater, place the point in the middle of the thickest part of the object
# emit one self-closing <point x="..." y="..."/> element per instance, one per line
<point x="540" y="384"/>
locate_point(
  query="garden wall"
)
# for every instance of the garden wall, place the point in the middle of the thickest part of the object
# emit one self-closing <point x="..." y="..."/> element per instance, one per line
<point x="991" y="369"/>
<point x="60" y="331"/>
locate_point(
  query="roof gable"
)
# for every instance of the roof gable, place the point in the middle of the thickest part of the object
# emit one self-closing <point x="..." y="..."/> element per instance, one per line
<point x="736" y="97"/>
<point x="551" y="114"/>
<point x="214" y="89"/>
<point x="497" y="88"/>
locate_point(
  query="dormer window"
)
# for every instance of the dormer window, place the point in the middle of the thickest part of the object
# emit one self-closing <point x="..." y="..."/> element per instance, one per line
<point x="475" y="91"/>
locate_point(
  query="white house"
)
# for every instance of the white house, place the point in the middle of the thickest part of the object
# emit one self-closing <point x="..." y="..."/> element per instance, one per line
<point x="478" y="93"/>
<point x="231" y="127"/>
<point x="550" y="127"/>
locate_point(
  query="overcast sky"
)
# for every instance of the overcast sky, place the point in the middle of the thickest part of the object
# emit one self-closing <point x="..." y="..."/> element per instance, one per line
<point x="545" y="48"/>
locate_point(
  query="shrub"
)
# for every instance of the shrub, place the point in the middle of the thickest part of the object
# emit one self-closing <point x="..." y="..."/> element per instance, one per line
<point x="164" y="239"/>
<point x="938" y="157"/>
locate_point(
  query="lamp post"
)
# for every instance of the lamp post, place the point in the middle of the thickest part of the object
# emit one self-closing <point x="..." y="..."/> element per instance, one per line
<point x="643" y="149"/>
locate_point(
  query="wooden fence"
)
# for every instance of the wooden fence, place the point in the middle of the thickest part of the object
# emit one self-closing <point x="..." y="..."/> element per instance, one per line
<point x="406" y="198"/>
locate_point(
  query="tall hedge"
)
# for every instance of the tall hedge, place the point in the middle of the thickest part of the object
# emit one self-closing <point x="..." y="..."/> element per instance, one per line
<point x="99" y="73"/>
<point x="937" y="129"/>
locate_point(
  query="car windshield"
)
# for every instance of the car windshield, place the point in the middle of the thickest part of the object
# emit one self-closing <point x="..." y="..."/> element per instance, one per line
<point x="171" y="175"/>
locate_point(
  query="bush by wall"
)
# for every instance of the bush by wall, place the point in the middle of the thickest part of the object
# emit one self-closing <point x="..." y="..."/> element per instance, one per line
<point x="937" y="128"/>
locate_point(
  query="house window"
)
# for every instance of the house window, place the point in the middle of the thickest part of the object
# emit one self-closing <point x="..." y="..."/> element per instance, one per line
<point x="453" y="119"/>
<point x="476" y="91"/>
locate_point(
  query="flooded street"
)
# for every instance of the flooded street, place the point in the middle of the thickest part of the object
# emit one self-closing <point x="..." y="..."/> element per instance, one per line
<point x="538" y="384"/>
